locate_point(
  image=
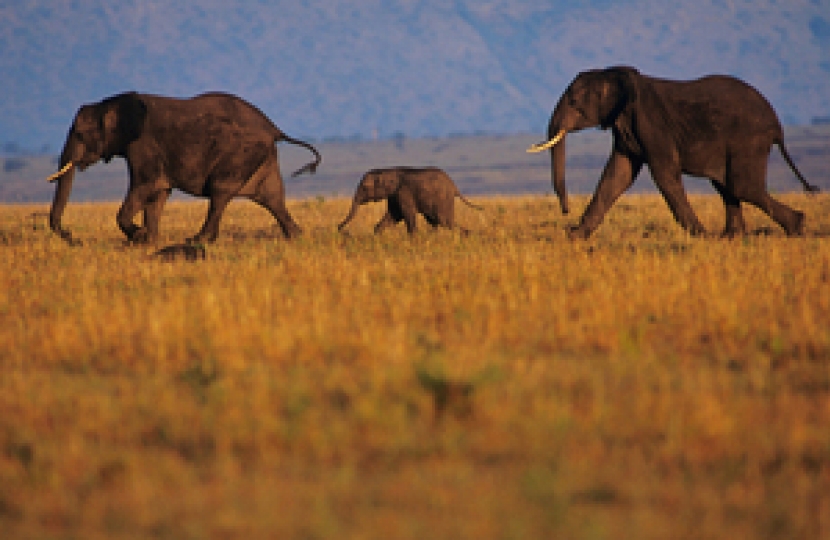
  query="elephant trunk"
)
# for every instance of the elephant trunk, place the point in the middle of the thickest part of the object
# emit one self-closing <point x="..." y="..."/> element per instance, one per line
<point x="65" y="176"/>
<point x="557" y="161"/>
<point x="355" y="203"/>
<point x="556" y="144"/>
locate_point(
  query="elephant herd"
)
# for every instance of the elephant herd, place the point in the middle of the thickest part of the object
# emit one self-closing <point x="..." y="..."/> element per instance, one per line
<point x="220" y="147"/>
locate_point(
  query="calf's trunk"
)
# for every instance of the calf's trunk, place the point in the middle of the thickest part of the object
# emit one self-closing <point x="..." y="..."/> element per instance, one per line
<point x="351" y="215"/>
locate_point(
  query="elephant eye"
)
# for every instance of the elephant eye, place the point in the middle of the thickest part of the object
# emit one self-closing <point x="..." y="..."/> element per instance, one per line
<point x="577" y="103"/>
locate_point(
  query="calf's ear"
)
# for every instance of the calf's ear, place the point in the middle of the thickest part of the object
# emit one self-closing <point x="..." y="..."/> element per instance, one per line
<point x="388" y="182"/>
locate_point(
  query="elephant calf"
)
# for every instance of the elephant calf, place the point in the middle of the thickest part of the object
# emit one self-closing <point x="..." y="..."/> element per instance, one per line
<point x="408" y="192"/>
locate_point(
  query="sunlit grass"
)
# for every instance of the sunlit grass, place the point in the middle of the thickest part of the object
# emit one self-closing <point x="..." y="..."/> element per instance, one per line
<point x="642" y="384"/>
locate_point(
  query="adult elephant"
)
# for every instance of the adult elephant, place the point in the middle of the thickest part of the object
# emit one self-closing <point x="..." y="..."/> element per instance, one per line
<point x="716" y="127"/>
<point x="213" y="145"/>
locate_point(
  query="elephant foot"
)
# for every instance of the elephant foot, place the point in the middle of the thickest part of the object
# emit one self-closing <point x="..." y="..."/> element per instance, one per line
<point x="730" y="233"/>
<point x="577" y="232"/>
<point x="141" y="236"/>
<point x="797" y="228"/>
<point x="199" y="240"/>
<point x="69" y="239"/>
<point x="293" y="232"/>
<point x="696" y="229"/>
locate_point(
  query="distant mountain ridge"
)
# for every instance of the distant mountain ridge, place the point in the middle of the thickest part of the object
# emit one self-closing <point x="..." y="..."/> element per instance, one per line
<point x="367" y="68"/>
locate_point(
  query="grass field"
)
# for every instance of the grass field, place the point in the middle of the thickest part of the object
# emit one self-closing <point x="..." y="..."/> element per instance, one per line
<point x="505" y="384"/>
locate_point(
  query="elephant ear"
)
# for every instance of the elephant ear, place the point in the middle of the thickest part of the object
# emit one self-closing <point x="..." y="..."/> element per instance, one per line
<point x="122" y="122"/>
<point x="388" y="182"/>
<point x="621" y="94"/>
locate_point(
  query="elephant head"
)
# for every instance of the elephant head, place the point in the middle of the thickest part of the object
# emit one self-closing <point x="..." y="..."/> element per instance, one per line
<point x="100" y="131"/>
<point x="597" y="98"/>
<point x="376" y="185"/>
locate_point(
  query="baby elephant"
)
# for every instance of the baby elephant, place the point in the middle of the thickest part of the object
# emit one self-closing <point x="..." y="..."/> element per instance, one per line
<point x="408" y="192"/>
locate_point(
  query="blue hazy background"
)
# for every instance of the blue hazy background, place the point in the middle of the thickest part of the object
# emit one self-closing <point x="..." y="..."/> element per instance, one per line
<point x="329" y="69"/>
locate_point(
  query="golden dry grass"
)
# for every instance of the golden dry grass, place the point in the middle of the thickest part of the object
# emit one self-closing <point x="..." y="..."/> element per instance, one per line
<point x="506" y="384"/>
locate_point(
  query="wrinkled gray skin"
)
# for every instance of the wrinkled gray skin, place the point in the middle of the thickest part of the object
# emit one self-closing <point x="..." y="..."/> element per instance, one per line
<point x="408" y="192"/>
<point x="214" y="145"/>
<point x="716" y="127"/>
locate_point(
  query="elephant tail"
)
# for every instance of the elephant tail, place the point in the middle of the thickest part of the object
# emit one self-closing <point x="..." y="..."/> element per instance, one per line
<point x="809" y="188"/>
<point x="468" y="203"/>
<point x="310" y="167"/>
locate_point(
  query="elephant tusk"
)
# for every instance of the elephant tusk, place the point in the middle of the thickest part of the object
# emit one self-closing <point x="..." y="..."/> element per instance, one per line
<point x="545" y="145"/>
<point x="60" y="172"/>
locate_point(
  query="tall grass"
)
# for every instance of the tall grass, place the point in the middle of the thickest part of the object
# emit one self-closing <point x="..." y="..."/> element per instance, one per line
<point x="504" y="384"/>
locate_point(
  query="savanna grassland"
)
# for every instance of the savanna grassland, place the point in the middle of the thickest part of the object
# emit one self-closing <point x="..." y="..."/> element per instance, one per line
<point x="504" y="384"/>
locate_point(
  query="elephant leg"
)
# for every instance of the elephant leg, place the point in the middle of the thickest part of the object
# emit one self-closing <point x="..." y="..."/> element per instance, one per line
<point x="618" y="175"/>
<point x="669" y="182"/>
<point x="135" y="201"/>
<point x="409" y="211"/>
<point x="210" y="229"/>
<point x="444" y="215"/>
<point x="386" y="221"/>
<point x="392" y="216"/>
<point x="749" y="180"/>
<point x="269" y="192"/>
<point x="152" y="214"/>
<point x="275" y="204"/>
<point x="434" y="221"/>
<point x="734" y="216"/>
<point x="446" y="218"/>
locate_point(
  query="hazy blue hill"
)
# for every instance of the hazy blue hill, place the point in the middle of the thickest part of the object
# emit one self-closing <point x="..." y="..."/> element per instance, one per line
<point x="338" y="68"/>
<point x="480" y="165"/>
